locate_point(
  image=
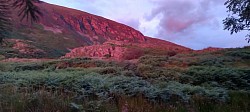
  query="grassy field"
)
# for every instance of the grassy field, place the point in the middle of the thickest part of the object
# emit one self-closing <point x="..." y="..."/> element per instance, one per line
<point x="197" y="82"/>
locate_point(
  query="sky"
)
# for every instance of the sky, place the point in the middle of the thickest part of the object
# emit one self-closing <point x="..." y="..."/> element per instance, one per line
<point x="196" y="24"/>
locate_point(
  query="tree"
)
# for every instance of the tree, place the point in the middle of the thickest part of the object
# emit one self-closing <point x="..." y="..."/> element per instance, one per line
<point x="5" y="26"/>
<point x="239" y="16"/>
<point x="27" y="9"/>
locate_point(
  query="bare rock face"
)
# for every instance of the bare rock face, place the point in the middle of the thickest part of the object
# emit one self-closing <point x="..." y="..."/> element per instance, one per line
<point x="96" y="28"/>
<point x="105" y="50"/>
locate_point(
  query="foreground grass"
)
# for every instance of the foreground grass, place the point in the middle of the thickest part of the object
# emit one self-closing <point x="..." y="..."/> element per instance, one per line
<point x="82" y="89"/>
<point x="44" y="100"/>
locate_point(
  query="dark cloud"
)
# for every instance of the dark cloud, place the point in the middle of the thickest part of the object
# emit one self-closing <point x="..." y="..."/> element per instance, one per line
<point x="182" y="16"/>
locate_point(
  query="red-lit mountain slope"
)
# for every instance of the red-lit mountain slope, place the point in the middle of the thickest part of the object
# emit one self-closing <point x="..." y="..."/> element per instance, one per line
<point x="63" y="30"/>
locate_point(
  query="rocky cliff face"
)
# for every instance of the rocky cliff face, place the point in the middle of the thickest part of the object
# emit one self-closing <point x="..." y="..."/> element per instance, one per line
<point x="97" y="29"/>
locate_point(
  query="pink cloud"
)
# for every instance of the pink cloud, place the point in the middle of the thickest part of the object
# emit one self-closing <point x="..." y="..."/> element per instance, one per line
<point x="182" y="16"/>
<point x="173" y="25"/>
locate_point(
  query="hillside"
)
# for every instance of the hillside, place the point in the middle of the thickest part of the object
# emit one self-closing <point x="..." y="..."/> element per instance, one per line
<point x="62" y="29"/>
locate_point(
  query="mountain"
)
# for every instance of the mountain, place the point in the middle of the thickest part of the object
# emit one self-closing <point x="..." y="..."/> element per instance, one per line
<point x="65" y="32"/>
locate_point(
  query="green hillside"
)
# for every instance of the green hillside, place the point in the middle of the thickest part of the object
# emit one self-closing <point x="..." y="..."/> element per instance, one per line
<point x="53" y="44"/>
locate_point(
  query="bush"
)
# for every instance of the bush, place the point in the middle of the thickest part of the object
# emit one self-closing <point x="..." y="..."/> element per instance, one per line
<point x="153" y="60"/>
<point x="29" y="66"/>
<point x="87" y="84"/>
<point x="127" y="73"/>
<point x="146" y="71"/>
<point x="241" y="53"/>
<point x="107" y="70"/>
<point x="133" y="53"/>
<point x="169" y="90"/>
<point x="161" y="73"/>
<point x="128" y="66"/>
<point x="2" y="57"/>
<point x="226" y="77"/>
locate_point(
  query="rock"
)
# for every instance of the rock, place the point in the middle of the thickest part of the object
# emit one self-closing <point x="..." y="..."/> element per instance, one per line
<point x="106" y="50"/>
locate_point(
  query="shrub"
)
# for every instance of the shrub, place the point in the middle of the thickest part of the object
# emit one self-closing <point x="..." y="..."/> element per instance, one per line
<point x="184" y="91"/>
<point x="127" y="73"/>
<point x="87" y="84"/>
<point x="241" y="53"/>
<point x="145" y="70"/>
<point x="128" y="66"/>
<point x="153" y="60"/>
<point x="107" y="70"/>
<point x="31" y="66"/>
<point x="226" y="77"/>
<point x="2" y="57"/>
<point x="133" y="53"/>
<point x="167" y="74"/>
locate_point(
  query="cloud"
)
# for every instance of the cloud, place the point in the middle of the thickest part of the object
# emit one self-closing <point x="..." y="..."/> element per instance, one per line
<point x="181" y="17"/>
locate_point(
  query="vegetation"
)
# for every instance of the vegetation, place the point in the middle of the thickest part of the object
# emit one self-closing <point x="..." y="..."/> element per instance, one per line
<point x="27" y="9"/>
<point x="5" y="24"/>
<point x="158" y="81"/>
<point x="239" y="16"/>
<point x="36" y="38"/>
<point x="217" y="81"/>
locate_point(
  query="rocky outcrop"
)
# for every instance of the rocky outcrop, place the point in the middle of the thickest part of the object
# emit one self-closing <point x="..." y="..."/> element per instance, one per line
<point x="106" y="50"/>
<point x="126" y="51"/>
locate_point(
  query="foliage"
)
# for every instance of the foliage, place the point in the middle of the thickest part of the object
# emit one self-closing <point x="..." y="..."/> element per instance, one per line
<point x="157" y="83"/>
<point x="86" y="84"/>
<point x="28" y="9"/>
<point x="2" y="57"/>
<point x="5" y="22"/>
<point x="220" y="77"/>
<point x="239" y="16"/>
<point x="45" y="40"/>
<point x="41" y="100"/>
<point x="153" y="60"/>
<point x="133" y="53"/>
<point x="240" y="53"/>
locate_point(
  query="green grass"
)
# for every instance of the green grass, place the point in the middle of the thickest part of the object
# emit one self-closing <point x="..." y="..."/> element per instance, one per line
<point x="47" y="41"/>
